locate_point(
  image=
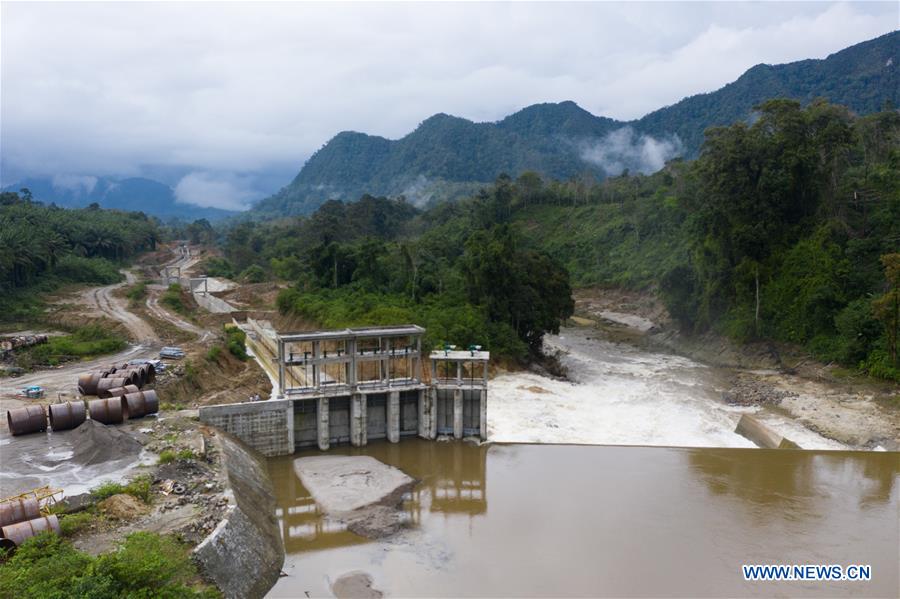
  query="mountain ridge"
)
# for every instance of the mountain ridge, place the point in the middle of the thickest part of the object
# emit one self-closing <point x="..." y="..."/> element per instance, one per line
<point x="446" y="156"/>
<point x="138" y="194"/>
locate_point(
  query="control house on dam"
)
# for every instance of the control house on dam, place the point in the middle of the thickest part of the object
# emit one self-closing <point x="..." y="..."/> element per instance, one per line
<point x="351" y="386"/>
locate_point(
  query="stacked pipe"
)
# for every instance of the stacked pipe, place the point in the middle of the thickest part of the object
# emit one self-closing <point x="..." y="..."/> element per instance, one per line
<point x="113" y="410"/>
<point x="21" y="519"/>
<point x="92" y="383"/>
<point x="141" y="403"/>
<point x="118" y="391"/>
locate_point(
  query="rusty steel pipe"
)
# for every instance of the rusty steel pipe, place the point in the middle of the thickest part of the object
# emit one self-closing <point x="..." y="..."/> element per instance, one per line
<point x="19" y="510"/>
<point x="87" y="383"/>
<point x="30" y="419"/>
<point x="120" y="391"/>
<point x="113" y="410"/>
<point x="22" y="531"/>
<point x="67" y="415"/>
<point x="142" y="403"/>
<point x="151" y="372"/>
<point x="105" y="385"/>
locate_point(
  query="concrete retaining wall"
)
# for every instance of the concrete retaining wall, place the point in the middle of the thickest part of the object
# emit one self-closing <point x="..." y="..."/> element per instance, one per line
<point x="266" y="426"/>
<point x="244" y="554"/>
<point x="213" y="304"/>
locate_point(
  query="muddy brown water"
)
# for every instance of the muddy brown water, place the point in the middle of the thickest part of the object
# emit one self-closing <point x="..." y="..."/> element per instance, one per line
<point x="563" y="520"/>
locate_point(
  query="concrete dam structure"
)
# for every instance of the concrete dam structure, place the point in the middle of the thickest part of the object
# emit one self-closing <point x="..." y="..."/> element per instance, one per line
<point x="356" y="385"/>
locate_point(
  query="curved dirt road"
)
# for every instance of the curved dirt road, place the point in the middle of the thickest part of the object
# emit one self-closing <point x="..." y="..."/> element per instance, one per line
<point x="102" y="301"/>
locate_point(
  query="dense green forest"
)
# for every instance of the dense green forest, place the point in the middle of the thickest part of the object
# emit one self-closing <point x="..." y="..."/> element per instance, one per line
<point x="785" y="229"/>
<point x="448" y="157"/>
<point x="43" y="247"/>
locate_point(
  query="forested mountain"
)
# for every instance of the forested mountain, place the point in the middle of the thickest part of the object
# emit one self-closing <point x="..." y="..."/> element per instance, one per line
<point x="786" y="229"/>
<point x="448" y="157"/>
<point x="133" y="194"/>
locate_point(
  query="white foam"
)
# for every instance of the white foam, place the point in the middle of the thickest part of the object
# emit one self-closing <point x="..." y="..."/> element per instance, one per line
<point x="622" y="396"/>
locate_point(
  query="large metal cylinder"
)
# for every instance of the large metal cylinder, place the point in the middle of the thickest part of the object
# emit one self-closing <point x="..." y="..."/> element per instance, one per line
<point x="120" y="391"/>
<point x="67" y="415"/>
<point x="142" y="403"/>
<point x="106" y="384"/>
<point x="133" y="375"/>
<point x="22" y="531"/>
<point x="19" y="510"/>
<point x="30" y="419"/>
<point x="109" y="411"/>
<point x="151" y="372"/>
<point x="87" y="383"/>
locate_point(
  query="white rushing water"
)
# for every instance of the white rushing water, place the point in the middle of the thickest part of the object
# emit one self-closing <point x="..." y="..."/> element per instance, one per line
<point x="622" y="395"/>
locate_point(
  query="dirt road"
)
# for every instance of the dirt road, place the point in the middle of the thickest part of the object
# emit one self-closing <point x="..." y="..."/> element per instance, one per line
<point x="100" y="300"/>
<point x="162" y="313"/>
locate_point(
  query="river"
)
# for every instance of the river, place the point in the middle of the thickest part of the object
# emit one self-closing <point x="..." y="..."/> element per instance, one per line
<point x="627" y="480"/>
<point x="569" y="520"/>
<point x="623" y="395"/>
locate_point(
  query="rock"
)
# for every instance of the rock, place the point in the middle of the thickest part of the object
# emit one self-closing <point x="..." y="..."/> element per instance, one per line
<point x="346" y="483"/>
<point x="752" y="392"/>
<point x="355" y="584"/>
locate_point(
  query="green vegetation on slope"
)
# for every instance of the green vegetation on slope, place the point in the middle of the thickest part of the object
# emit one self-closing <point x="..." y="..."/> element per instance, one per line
<point x="144" y="565"/>
<point x="84" y="342"/>
<point x="43" y="247"/>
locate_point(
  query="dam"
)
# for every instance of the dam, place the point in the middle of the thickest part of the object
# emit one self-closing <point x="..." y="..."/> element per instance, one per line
<point x="355" y="385"/>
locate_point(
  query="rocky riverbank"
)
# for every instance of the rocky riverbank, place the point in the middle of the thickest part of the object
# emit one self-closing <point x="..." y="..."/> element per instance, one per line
<point x="856" y="411"/>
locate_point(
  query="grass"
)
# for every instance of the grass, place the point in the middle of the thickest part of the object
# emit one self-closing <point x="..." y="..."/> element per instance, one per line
<point x="175" y="298"/>
<point x="144" y="565"/>
<point x="168" y="456"/>
<point x="137" y="292"/>
<point x="138" y="487"/>
<point x="71" y="524"/>
<point x="84" y="342"/>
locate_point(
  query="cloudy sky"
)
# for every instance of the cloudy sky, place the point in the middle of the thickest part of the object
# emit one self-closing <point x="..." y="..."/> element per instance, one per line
<point x="226" y="101"/>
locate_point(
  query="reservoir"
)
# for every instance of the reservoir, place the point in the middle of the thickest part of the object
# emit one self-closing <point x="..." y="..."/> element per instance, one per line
<point x="581" y="520"/>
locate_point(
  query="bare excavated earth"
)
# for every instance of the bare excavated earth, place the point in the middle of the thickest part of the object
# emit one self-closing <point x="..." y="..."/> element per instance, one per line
<point x="359" y="491"/>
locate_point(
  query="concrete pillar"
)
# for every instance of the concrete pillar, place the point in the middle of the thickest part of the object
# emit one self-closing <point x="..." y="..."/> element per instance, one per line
<point x="458" y="413"/>
<point x="358" y="413"/>
<point x="483" y="404"/>
<point x="393" y="416"/>
<point x="432" y="413"/>
<point x="323" y="430"/>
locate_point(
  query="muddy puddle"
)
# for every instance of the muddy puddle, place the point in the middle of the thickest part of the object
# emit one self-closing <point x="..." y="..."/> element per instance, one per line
<point x="568" y="520"/>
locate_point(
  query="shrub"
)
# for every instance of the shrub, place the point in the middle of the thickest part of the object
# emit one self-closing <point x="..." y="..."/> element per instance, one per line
<point x="69" y="524"/>
<point x="144" y="565"/>
<point x="253" y="274"/>
<point x="138" y="487"/>
<point x="214" y="353"/>
<point x="87" y="270"/>
<point x="86" y="341"/>
<point x="235" y="341"/>
<point x="166" y="456"/>
<point x="137" y="292"/>
<point x="174" y="298"/>
<point x="186" y="454"/>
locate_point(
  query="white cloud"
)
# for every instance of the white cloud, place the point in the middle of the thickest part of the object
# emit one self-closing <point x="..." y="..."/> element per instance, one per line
<point x="218" y="190"/>
<point x="79" y="183"/>
<point x="624" y="149"/>
<point x="110" y="88"/>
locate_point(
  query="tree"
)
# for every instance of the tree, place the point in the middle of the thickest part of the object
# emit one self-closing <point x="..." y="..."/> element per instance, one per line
<point x="887" y="307"/>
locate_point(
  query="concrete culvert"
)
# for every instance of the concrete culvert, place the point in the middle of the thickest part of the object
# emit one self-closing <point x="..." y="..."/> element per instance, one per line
<point x="30" y="419"/>
<point x="64" y="416"/>
<point x="19" y="510"/>
<point x="22" y="531"/>
<point x="109" y="411"/>
<point x="142" y="403"/>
